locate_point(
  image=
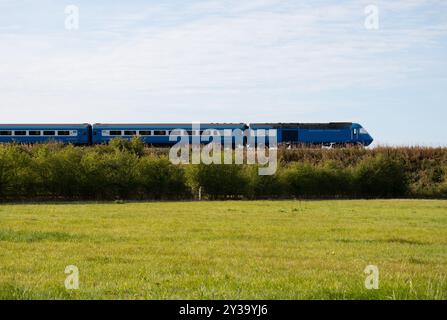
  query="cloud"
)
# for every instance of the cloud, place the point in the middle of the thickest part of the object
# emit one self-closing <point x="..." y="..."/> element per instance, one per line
<point x="263" y="52"/>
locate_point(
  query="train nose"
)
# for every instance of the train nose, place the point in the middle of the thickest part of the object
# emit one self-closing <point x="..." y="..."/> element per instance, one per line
<point x="368" y="140"/>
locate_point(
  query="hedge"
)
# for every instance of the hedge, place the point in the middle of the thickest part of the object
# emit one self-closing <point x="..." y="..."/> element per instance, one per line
<point x="129" y="170"/>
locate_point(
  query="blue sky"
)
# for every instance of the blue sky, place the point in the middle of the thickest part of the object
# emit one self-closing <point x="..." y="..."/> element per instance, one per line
<point x="229" y="61"/>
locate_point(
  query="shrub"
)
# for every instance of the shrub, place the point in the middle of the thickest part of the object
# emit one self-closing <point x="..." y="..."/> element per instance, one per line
<point x="307" y="180"/>
<point x="381" y="176"/>
<point x="17" y="178"/>
<point x="219" y="181"/>
<point x="127" y="170"/>
<point x="134" y="146"/>
<point x="158" y="178"/>
<point x="112" y="175"/>
<point x="56" y="171"/>
<point x="269" y="186"/>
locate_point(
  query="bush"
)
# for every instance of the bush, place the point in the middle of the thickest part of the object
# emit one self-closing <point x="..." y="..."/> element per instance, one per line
<point x="15" y="171"/>
<point x="307" y="180"/>
<point x="382" y="177"/>
<point x="111" y="175"/>
<point x="128" y="170"/>
<point x="261" y="187"/>
<point x="219" y="181"/>
<point x="158" y="178"/>
<point x="56" y="171"/>
<point x="134" y="146"/>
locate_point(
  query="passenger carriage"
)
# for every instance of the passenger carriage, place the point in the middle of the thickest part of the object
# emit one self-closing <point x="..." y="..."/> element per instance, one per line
<point x="35" y="133"/>
<point x="159" y="133"/>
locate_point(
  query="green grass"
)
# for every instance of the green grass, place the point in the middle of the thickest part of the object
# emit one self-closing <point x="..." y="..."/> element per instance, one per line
<point x="225" y="250"/>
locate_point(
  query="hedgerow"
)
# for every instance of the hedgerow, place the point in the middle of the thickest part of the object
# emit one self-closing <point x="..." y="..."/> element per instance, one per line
<point x="130" y="170"/>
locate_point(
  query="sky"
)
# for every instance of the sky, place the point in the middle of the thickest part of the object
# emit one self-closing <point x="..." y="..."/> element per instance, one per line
<point x="229" y="61"/>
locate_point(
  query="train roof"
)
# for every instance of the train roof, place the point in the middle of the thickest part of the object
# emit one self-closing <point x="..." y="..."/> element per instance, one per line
<point x="168" y="125"/>
<point x="43" y="125"/>
<point x="330" y="125"/>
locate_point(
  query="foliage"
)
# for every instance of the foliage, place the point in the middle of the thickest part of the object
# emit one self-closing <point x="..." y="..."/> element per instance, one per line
<point x="129" y="170"/>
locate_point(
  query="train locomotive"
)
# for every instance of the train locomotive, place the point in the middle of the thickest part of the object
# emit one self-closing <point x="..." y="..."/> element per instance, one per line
<point x="158" y="134"/>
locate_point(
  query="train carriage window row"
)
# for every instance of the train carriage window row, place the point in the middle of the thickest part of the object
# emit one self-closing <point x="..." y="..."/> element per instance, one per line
<point x="294" y="134"/>
<point x="22" y="133"/>
<point x="167" y="132"/>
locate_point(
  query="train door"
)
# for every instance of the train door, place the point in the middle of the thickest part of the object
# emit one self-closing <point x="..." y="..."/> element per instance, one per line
<point x="355" y="134"/>
<point x="290" y="136"/>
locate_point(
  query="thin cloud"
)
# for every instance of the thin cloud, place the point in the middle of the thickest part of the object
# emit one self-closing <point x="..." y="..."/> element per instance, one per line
<point x="216" y="59"/>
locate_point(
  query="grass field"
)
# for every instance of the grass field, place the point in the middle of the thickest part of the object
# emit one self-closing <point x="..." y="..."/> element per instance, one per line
<point x="225" y="250"/>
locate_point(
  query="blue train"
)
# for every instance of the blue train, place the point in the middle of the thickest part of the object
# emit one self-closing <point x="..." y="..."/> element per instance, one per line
<point x="159" y="133"/>
<point x="327" y="134"/>
<point x="34" y="133"/>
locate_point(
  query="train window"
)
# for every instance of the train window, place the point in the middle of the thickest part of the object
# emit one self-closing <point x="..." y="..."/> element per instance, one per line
<point x="5" y="133"/>
<point x="145" y="133"/>
<point x="49" y="133"/>
<point x="177" y="132"/>
<point x="20" y="133"/>
<point x="130" y="133"/>
<point x="115" y="132"/>
<point x="34" y="133"/>
<point x="355" y="131"/>
<point x="159" y="132"/>
<point x="63" y="133"/>
<point x="210" y="132"/>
